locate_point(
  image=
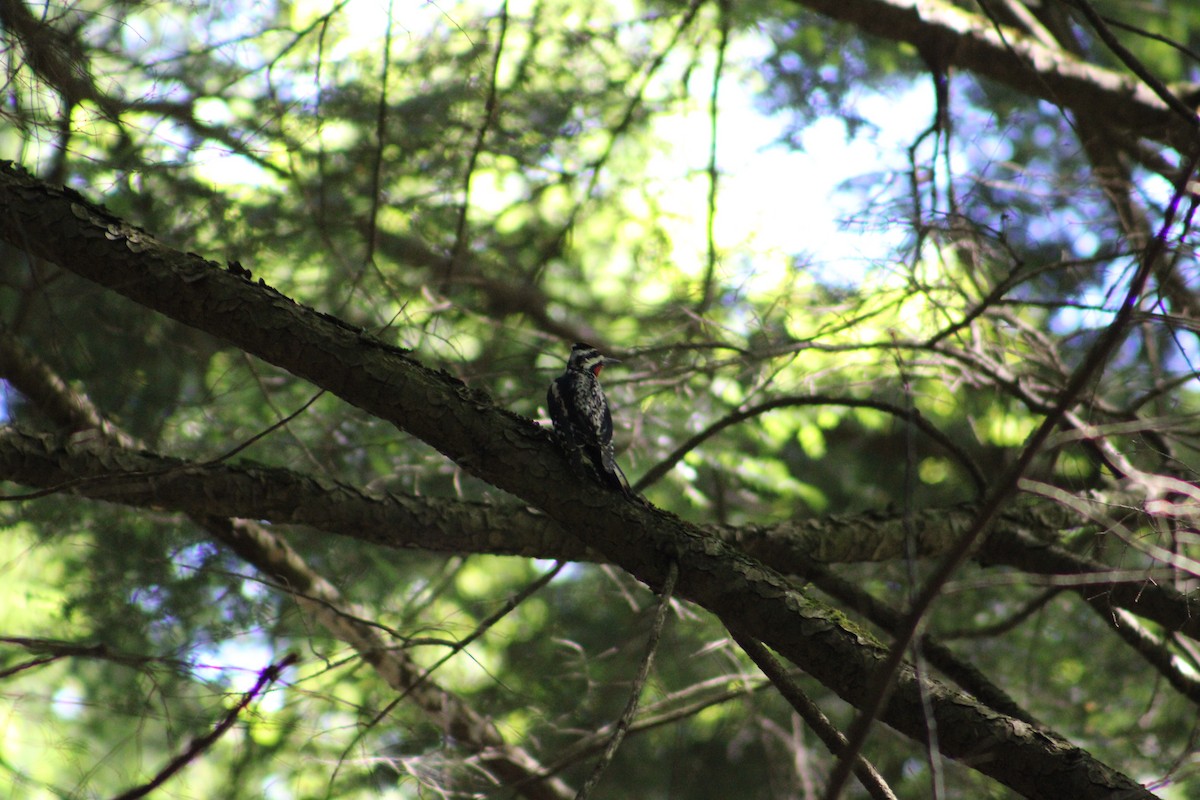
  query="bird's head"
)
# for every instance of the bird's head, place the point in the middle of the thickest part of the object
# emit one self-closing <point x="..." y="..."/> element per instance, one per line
<point x="585" y="358"/>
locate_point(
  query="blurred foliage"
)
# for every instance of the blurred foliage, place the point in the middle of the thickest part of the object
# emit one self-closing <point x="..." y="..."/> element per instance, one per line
<point x="345" y="154"/>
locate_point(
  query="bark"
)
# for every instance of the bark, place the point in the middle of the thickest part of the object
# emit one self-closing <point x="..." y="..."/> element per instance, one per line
<point x="1022" y="538"/>
<point x="514" y="454"/>
<point x="955" y="37"/>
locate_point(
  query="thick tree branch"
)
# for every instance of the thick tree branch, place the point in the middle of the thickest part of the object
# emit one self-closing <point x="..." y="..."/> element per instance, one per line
<point x="50" y="394"/>
<point x="282" y="496"/>
<point x="514" y="454"/>
<point x="1022" y="538"/>
<point x="140" y="478"/>
<point x="971" y="42"/>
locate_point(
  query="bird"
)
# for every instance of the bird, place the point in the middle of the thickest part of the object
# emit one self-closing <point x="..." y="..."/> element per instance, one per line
<point x="581" y="417"/>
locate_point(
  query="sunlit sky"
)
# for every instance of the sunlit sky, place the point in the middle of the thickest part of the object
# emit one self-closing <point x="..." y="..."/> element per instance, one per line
<point x="780" y="202"/>
<point x="774" y="202"/>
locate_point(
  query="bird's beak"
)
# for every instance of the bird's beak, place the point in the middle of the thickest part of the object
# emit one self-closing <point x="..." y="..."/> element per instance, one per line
<point x="604" y="362"/>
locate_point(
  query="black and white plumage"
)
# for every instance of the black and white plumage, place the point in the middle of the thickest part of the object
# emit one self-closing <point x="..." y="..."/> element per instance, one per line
<point x="582" y="420"/>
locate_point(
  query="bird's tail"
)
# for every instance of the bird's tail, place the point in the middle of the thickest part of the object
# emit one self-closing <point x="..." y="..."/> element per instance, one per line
<point x="616" y="477"/>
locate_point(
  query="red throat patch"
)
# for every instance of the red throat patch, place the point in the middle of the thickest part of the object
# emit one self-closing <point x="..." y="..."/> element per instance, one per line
<point x="596" y="369"/>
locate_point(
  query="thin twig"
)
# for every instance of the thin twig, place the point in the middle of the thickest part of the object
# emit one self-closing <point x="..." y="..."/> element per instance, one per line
<point x="1005" y="625"/>
<point x="595" y="168"/>
<point x="639" y="682"/>
<point x="1158" y="37"/>
<point x="871" y="780"/>
<point x="265" y="432"/>
<point x="653" y="716"/>
<point x="489" y="115"/>
<point x="706" y="295"/>
<point x="381" y="120"/>
<point x="914" y="417"/>
<point x="480" y="629"/>
<point x="1135" y="66"/>
<point x="199" y="745"/>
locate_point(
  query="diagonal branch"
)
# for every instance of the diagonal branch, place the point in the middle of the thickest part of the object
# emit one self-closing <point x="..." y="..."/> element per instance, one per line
<point x="509" y="764"/>
<point x="202" y="743"/>
<point x="1135" y="66"/>
<point x="970" y="42"/>
<point x="514" y="454"/>
<point x="635" y="690"/>
<point x="1021" y="539"/>
<point x="812" y="715"/>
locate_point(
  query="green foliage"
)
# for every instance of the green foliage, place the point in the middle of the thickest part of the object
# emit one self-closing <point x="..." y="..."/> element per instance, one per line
<point x="483" y="222"/>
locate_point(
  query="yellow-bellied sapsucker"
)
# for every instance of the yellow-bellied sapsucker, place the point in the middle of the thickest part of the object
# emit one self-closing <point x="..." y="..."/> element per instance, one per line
<point x="579" y="411"/>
